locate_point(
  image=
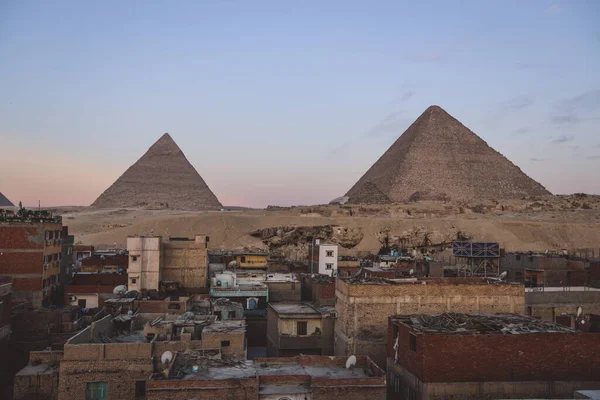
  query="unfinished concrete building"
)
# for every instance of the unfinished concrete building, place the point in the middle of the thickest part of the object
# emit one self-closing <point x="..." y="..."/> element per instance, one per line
<point x="114" y="357"/>
<point x="363" y="306"/>
<point x="487" y="356"/>
<point x="299" y="328"/>
<point x="153" y="260"/>
<point x="303" y="377"/>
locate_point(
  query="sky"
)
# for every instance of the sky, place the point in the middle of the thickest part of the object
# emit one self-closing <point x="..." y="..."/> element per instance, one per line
<point x="288" y="102"/>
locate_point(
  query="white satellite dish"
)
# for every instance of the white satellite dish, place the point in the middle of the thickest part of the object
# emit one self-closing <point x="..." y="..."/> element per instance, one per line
<point x="579" y="311"/>
<point x="166" y="357"/>
<point x="121" y="289"/>
<point x="350" y="362"/>
<point x="503" y="275"/>
<point x="412" y="271"/>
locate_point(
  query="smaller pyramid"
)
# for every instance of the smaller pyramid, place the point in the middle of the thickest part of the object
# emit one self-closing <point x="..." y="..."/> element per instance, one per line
<point x="161" y="178"/>
<point x="4" y="202"/>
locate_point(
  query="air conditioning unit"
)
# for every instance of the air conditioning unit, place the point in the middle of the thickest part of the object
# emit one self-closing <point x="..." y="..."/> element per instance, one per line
<point x="45" y="266"/>
<point x="72" y="299"/>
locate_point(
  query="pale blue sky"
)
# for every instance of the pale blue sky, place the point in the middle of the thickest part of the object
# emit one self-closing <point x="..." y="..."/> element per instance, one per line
<point x="289" y="102"/>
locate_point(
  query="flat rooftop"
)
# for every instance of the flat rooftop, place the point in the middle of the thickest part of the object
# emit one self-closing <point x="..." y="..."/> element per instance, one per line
<point x="294" y="308"/>
<point x="315" y="371"/>
<point x="478" y="324"/>
<point x="563" y="289"/>
<point x="377" y="280"/>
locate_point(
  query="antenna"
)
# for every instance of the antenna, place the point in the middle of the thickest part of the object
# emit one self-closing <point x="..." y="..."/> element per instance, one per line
<point x="579" y="311"/>
<point x="503" y="275"/>
<point x="351" y="362"/>
<point x="166" y="357"/>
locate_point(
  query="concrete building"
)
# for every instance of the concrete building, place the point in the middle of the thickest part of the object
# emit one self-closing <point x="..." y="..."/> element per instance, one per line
<point x="293" y="378"/>
<point x="487" y="356"/>
<point x="251" y="293"/>
<point x="82" y="251"/>
<point x="363" y="306"/>
<point x="323" y="258"/>
<point x="551" y="302"/>
<point x="92" y="290"/>
<point x="152" y="260"/>
<point x="557" y="270"/>
<point x="114" y="357"/>
<point x="30" y="254"/>
<point x="299" y="328"/>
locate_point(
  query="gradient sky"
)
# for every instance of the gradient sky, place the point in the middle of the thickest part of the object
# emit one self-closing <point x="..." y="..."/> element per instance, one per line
<point x="288" y="102"/>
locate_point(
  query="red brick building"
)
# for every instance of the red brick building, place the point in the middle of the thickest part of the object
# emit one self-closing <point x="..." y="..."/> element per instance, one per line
<point x="488" y="356"/>
<point x="30" y="254"/>
<point x="5" y="331"/>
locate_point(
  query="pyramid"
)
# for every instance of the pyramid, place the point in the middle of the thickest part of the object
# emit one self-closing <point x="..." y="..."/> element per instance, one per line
<point x="4" y="202"/>
<point x="162" y="178"/>
<point x="437" y="157"/>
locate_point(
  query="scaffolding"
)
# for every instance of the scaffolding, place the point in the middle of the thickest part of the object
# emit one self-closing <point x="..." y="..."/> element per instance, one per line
<point x="477" y="259"/>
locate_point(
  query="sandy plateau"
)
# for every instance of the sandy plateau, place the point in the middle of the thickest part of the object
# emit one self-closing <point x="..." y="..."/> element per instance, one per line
<point x="553" y="222"/>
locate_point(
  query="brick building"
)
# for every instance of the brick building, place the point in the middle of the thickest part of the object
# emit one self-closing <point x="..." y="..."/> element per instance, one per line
<point x="153" y="260"/>
<point x="30" y="253"/>
<point x="487" y="356"/>
<point x="88" y="290"/>
<point x="5" y="332"/>
<point x="39" y="379"/>
<point x="67" y="259"/>
<point x="114" y="357"/>
<point x="364" y="305"/>
<point x="318" y="289"/>
<point x="302" y="377"/>
<point x="299" y="328"/>
<point x="558" y="270"/>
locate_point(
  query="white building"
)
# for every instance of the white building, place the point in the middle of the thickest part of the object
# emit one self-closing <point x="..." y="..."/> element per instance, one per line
<point x="324" y="258"/>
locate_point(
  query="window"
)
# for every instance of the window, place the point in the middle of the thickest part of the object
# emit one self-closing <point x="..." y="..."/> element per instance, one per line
<point x="225" y="343"/>
<point x="96" y="391"/>
<point x="133" y="281"/>
<point x="328" y="266"/>
<point x="231" y="315"/>
<point x="47" y="235"/>
<point x="395" y="331"/>
<point x="133" y="258"/>
<point x="518" y="257"/>
<point x="412" y="342"/>
<point x="81" y="303"/>
<point x="140" y="389"/>
<point x="301" y="328"/>
<point x="252" y="303"/>
<point x="329" y="253"/>
<point x="243" y="259"/>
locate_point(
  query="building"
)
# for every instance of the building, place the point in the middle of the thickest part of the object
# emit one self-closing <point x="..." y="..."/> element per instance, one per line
<point x="114" y="357"/>
<point x="5" y="332"/>
<point x="152" y="260"/>
<point x="487" y="356"/>
<point x="92" y="290"/>
<point x="67" y="259"/>
<point x="363" y="306"/>
<point x="299" y="328"/>
<point x="82" y="252"/>
<point x="250" y="258"/>
<point x="318" y="289"/>
<point x="550" y="302"/>
<point x="30" y="253"/>
<point x="39" y="379"/>
<point x="558" y="270"/>
<point x="251" y="292"/>
<point x="323" y="258"/>
<point x="226" y="309"/>
<point x="301" y="377"/>
<point x="105" y="264"/>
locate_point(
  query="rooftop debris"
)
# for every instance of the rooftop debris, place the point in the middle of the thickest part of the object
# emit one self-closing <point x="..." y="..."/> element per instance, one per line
<point x="475" y="323"/>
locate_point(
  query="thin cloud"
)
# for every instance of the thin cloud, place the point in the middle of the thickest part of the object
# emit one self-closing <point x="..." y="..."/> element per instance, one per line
<point x="585" y="106"/>
<point x="563" y="139"/>
<point x="565" y="119"/>
<point x="574" y="147"/>
<point x="553" y="9"/>
<point x="517" y="103"/>
<point x="403" y="98"/>
<point x="593" y="157"/>
<point x="536" y="159"/>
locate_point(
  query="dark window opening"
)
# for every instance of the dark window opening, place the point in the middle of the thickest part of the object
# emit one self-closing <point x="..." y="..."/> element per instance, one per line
<point x="133" y="281"/>
<point x="133" y="258"/>
<point x="174" y="306"/>
<point x="231" y="314"/>
<point x="140" y="389"/>
<point x="412" y="342"/>
<point x="395" y="332"/>
<point x="243" y="259"/>
<point x="81" y="303"/>
<point x="518" y="257"/>
<point x="529" y="311"/>
<point x="225" y="343"/>
<point x="302" y="327"/>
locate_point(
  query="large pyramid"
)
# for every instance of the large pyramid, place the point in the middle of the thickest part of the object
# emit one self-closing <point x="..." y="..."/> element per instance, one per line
<point x="162" y="178"/>
<point x="439" y="158"/>
<point x="4" y="202"/>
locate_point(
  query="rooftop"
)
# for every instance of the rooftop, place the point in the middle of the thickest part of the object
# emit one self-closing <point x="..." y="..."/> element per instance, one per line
<point x="39" y="369"/>
<point x="377" y="280"/>
<point x="470" y="324"/>
<point x="294" y="309"/>
<point x="29" y="216"/>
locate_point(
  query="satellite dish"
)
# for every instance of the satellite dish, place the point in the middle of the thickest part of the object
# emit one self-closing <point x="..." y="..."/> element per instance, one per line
<point x="579" y="311"/>
<point x="132" y="294"/>
<point x="350" y="362"/>
<point x="503" y="275"/>
<point x="121" y="289"/>
<point x="166" y="357"/>
<point x="412" y="271"/>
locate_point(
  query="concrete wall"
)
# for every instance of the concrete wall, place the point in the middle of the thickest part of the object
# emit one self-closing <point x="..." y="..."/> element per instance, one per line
<point x="324" y="259"/>
<point x="144" y="262"/>
<point x="363" y="309"/>
<point x="284" y="291"/>
<point x="251" y="260"/>
<point x="176" y="389"/>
